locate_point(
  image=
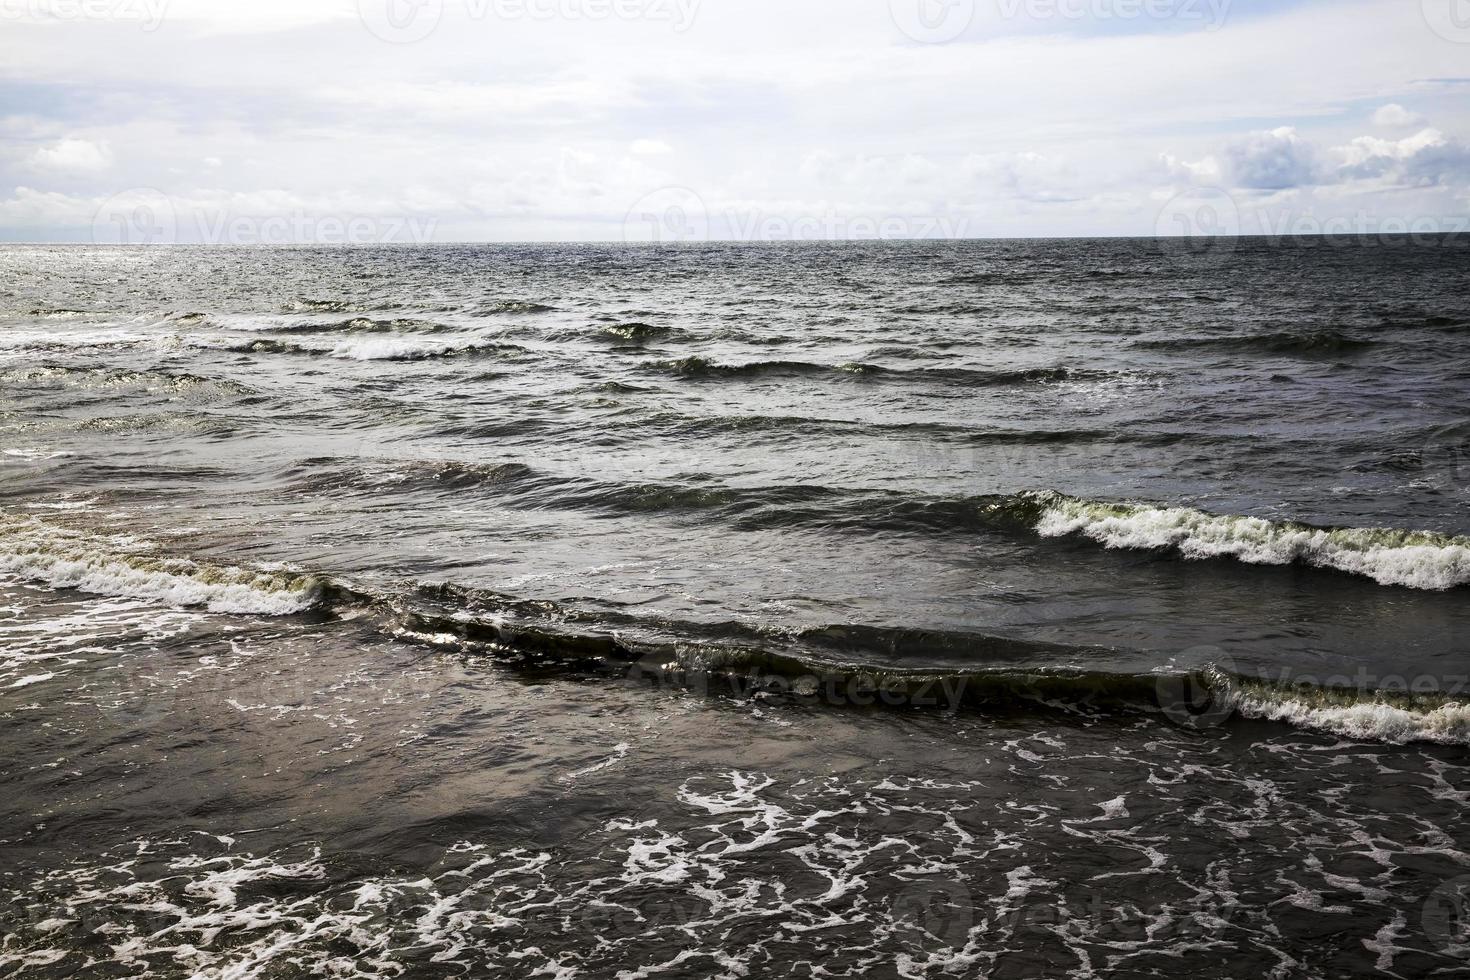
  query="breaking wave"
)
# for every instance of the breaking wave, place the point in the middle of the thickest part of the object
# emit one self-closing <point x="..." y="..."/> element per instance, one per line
<point x="1389" y="556"/>
<point x="1378" y="717"/>
<point x="842" y="665"/>
<point x="373" y="349"/>
<point x="36" y="551"/>
<point x="1414" y="559"/>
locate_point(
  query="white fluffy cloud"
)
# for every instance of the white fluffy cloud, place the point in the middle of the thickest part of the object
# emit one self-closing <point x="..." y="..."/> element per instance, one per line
<point x="1427" y="158"/>
<point x="1396" y="116"/>
<point x="73" y="156"/>
<point x="1282" y="160"/>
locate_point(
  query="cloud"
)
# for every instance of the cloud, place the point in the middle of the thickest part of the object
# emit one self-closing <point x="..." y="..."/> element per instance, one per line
<point x="508" y="128"/>
<point x="1275" y="160"/>
<point x="73" y="156"/>
<point x="1026" y="176"/>
<point x="1396" y="116"/>
<point x="1426" y="159"/>
<point x="1282" y="159"/>
<point x="1201" y="173"/>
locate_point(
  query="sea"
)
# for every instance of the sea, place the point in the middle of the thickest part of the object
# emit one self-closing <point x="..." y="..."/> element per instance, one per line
<point x="1003" y="609"/>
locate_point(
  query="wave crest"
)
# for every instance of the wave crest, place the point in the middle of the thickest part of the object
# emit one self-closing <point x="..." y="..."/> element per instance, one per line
<point x="35" y="551"/>
<point x="1414" y="559"/>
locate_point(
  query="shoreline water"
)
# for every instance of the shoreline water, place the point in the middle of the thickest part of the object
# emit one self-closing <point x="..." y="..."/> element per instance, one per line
<point x="591" y="612"/>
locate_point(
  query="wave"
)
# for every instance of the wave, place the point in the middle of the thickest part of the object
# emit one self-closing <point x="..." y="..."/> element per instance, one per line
<point x="519" y="484"/>
<point x="1389" y="556"/>
<point x="372" y="349"/>
<point x="192" y="422"/>
<point x="513" y="306"/>
<point x="949" y="436"/>
<point x="1380" y="716"/>
<point x="609" y="331"/>
<point x="328" y="475"/>
<point x="356" y="325"/>
<point x="61" y="313"/>
<point x="856" y="665"/>
<point x="699" y="367"/>
<point x="58" y="314"/>
<point x="118" y="378"/>
<point x="841" y="665"/>
<point x="637" y="332"/>
<point x="264" y="347"/>
<point x="1317" y="342"/>
<point x="319" y="306"/>
<point x="1414" y="559"/>
<point x="36" y="551"/>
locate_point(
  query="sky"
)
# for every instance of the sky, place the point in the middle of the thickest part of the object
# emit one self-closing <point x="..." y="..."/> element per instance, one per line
<point x="359" y="121"/>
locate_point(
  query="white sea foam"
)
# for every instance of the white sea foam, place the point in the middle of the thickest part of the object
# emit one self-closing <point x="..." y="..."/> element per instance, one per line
<point x="33" y="454"/>
<point x="1418" y="560"/>
<point x="63" y="558"/>
<point x="394" y="348"/>
<point x="1367" y="720"/>
<point x="115" y="336"/>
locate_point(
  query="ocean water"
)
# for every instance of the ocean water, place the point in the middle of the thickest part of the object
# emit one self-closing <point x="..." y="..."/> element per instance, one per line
<point x="965" y="609"/>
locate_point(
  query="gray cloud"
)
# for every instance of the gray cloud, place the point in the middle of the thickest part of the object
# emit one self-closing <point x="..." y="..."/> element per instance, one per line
<point x="1275" y="160"/>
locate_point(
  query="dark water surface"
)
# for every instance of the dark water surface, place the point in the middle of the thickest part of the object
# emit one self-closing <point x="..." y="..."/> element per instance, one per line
<point x="1002" y="609"/>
